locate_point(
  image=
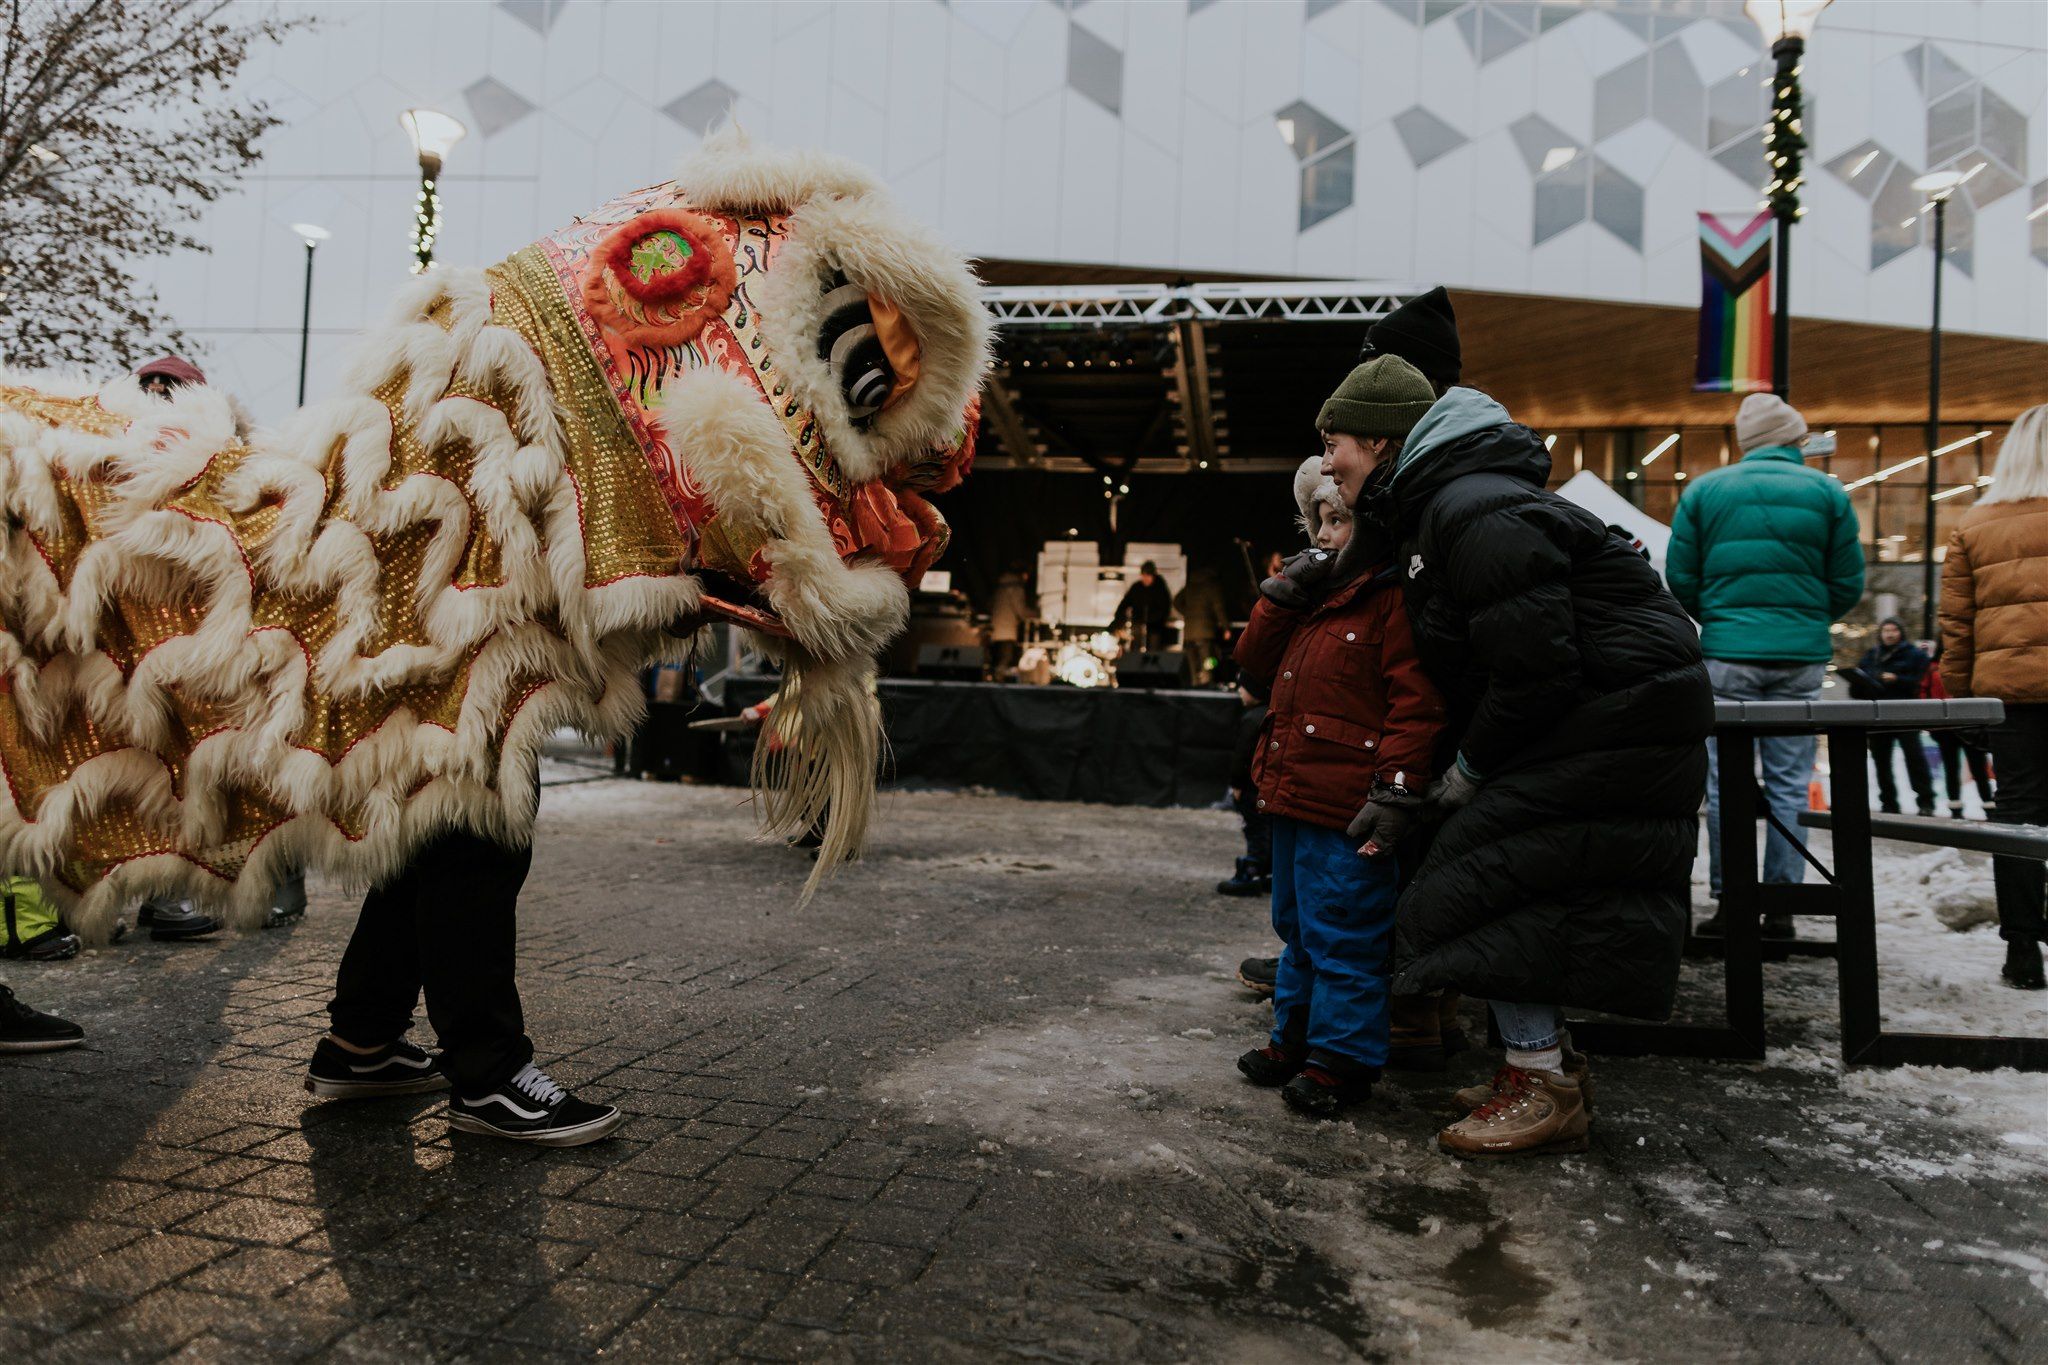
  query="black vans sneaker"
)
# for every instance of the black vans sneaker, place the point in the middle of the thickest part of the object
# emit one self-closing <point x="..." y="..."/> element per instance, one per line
<point x="398" y="1069"/>
<point x="530" y="1107"/>
<point x="25" y="1030"/>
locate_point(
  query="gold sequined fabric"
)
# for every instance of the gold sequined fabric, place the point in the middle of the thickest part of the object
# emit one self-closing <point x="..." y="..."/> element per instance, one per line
<point x="54" y="743"/>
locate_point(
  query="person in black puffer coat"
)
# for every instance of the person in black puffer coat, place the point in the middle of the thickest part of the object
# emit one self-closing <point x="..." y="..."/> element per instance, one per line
<point x="1892" y="670"/>
<point x="1562" y="873"/>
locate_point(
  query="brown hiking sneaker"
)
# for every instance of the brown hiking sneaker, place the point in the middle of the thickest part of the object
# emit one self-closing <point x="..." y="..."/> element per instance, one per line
<point x="1530" y="1112"/>
<point x="1575" y="1066"/>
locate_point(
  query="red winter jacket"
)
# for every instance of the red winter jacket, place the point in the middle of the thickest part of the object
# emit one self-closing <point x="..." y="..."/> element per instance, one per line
<point x="1349" y="701"/>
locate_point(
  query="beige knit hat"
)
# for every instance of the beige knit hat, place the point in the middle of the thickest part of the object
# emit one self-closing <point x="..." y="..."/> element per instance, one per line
<point x="1312" y="486"/>
<point x="1764" y="419"/>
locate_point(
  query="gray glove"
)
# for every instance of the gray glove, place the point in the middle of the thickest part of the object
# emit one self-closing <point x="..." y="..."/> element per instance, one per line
<point x="1294" y="587"/>
<point x="1455" y="788"/>
<point x="1388" y="816"/>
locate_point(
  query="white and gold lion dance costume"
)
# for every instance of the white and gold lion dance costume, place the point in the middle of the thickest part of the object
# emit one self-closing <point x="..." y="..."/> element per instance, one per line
<point x="718" y="398"/>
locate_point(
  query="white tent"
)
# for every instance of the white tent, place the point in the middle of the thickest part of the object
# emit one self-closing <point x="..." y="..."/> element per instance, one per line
<point x="1592" y="492"/>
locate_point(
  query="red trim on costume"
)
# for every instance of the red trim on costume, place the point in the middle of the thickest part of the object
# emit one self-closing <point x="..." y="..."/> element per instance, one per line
<point x="672" y="306"/>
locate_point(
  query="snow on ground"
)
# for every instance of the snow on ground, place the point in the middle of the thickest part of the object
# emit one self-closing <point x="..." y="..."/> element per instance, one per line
<point x="1932" y="979"/>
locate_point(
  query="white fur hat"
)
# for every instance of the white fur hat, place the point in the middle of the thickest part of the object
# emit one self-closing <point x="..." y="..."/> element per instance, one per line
<point x="1312" y="486"/>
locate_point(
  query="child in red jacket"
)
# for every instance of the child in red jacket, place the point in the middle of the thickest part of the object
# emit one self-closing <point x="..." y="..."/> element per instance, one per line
<point x="1345" y="755"/>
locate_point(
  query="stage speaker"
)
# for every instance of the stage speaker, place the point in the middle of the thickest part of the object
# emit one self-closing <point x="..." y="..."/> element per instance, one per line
<point x="1153" y="668"/>
<point x="951" y="663"/>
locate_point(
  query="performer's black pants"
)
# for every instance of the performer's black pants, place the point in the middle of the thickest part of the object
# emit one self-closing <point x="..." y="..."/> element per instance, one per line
<point x="446" y="923"/>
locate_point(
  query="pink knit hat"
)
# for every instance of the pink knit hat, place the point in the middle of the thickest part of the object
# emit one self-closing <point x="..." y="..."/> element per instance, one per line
<point x="175" y="368"/>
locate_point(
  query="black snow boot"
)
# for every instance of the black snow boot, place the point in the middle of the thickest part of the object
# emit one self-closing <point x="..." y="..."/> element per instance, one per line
<point x="2022" y="969"/>
<point x="1260" y="975"/>
<point x="1249" y="880"/>
<point x="1329" y="1085"/>
<point x="1272" y="1064"/>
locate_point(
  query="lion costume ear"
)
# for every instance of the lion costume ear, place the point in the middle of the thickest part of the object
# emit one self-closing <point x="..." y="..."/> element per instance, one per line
<point x="658" y="278"/>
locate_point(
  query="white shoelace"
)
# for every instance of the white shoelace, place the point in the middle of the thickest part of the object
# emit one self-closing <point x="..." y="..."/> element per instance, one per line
<point x="537" y="1086"/>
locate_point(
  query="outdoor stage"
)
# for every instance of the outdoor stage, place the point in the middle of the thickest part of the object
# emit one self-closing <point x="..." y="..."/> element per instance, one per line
<point x="1119" y="746"/>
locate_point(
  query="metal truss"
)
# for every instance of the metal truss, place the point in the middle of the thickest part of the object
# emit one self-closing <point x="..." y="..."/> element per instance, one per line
<point x="1160" y="305"/>
<point x="1183" y="313"/>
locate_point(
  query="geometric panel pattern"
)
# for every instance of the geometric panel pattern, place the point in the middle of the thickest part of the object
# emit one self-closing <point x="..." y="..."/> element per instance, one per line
<point x="1426" y="136"/>
<point x="538" y="15"/>
<point x="1863" y="168"/>
<point x="1587" y="189"/>
<point x="1544" y="146"/>
<point x="1095" y="69"/>
<point x="2037" y="223"/>
<point x="495" y="106"/>
<point x="1327" y="153"/>
<point x="1970" y="128"/>
<point x="1737" y="109"/>
<point x="700" y="108"/>
<point x="1491" y="28"/>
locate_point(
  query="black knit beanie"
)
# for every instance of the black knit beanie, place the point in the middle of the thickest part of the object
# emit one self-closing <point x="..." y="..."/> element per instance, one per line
<point x="1423" y="332"/>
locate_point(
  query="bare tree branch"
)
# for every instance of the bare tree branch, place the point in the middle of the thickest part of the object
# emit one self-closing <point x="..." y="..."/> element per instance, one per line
<point x="120" y="120"/>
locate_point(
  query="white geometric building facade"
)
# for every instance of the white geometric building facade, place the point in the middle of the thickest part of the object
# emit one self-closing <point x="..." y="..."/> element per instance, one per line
<point x="1535" y="148"/>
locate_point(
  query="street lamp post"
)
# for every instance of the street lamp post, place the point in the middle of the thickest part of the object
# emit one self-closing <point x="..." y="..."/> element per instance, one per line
<point x="312" y="234"/>
<point x="1937" y="187"/>
<point x="1787" y="24"/>
<point x="434" y="134"/>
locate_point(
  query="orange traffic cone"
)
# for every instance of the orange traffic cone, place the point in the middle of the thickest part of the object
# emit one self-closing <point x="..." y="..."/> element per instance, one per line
<point x="1816" y="795"/>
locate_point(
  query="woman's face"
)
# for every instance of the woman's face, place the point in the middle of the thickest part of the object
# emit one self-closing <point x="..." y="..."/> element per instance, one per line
<point x="1889" y="634"/>
<point x="1348" y="459"/>
<point x="1333" y="527"/>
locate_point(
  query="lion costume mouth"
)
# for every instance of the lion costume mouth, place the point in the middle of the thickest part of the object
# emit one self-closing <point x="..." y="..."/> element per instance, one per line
<point x="224" y="660"/>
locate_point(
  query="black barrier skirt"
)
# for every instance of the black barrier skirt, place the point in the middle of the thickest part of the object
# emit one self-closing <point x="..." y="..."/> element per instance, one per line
<point x="1119" y="746"/>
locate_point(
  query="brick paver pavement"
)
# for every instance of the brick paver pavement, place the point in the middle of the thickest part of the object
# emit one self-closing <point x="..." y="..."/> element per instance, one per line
<point x="976" y="1101"/>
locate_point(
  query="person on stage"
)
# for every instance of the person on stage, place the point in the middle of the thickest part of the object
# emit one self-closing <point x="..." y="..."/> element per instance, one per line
<point x="1146" y="608"/>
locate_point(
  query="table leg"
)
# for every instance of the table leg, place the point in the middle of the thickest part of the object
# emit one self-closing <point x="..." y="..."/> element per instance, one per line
<point x="1741" y="909"/>
<point x="1855" y="897"/>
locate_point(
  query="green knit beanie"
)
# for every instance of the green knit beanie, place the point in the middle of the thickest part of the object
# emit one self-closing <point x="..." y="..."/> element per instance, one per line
<point x="1386" y="396"/>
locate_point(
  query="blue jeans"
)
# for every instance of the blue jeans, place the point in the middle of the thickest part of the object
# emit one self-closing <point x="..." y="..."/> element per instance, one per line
<point x="1787" y="762"/>
<point x="1334" y="909"/>
<point x="1528" y="1028"/>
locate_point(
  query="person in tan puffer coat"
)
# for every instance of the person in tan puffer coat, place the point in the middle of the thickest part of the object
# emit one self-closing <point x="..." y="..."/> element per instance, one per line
<point x="1994" y="634"/>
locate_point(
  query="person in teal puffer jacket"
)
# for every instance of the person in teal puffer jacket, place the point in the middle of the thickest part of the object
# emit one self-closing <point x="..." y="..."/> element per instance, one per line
<point x="1766" y="555"/>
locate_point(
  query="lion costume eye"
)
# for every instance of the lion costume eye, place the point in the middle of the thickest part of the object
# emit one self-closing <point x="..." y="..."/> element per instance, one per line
<point x="849" y="344"/>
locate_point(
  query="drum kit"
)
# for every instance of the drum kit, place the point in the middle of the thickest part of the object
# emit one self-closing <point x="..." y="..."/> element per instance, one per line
<point x="1079" y="661"/>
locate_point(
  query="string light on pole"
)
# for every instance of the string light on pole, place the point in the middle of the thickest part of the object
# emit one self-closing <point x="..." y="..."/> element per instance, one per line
<point x="1787" y="24"/>
<point x="434" y="134"/>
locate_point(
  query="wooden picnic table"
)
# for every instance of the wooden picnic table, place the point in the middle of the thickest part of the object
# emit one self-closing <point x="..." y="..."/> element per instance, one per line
<point x="1845" y="895"/>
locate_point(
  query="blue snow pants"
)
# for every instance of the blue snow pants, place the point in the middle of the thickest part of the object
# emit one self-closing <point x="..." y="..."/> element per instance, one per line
<point x="1334" y="909"/>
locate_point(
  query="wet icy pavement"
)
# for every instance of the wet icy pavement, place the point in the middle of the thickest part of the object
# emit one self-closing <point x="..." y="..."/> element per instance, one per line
<point x="978" y="1102"/>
